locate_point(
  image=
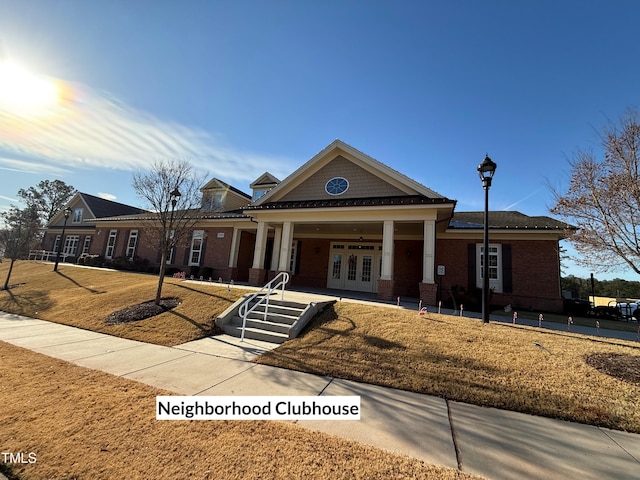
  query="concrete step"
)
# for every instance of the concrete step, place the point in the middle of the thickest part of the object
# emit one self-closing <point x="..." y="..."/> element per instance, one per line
<point x="294" y="311"/>
<point x="260" y="324"/>
<point x="273" y="317"/>
<point x="256" y="334"/>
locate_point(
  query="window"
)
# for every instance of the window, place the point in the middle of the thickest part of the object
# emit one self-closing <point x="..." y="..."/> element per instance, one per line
<point x="294" y="255"/>
<point x="131" y="244"/>
<point x="257" y="194"/>
<point x="196" y="247"/>
<point x="77" y="215"/>
<point x="494" y="266"/>
<point x="213" y="201"/>
<point x="56" y="243"/>
<point x="71" y="244"/>
<point x="86" y="245"/>
<point x="172" y="250"/>
<point x="336" y="186"/>
<point x="336" y="268"/>
<point x="111" y="244"/>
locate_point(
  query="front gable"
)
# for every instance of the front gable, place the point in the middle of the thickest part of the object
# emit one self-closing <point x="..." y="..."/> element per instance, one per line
<point x="360" y="183"/>
<point x="363" y="176"/>
<point x="218" y="196"/>
<point x="79" y="208"/>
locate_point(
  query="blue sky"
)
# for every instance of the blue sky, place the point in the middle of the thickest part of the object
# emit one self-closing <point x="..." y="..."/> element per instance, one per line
<point x="242" y="87"/>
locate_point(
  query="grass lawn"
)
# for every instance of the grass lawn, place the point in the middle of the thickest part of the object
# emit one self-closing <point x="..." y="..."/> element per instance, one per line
<point x="526" y="369"/>
<point x="84" y="297"/>
<point x="85" y="424"/>
<point x="556" y="374"/>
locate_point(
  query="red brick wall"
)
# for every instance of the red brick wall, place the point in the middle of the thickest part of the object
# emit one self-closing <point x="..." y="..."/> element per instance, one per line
<point x="313" y="263"/>
<point x="407" y="268"/>
<point x="534" y="273"/>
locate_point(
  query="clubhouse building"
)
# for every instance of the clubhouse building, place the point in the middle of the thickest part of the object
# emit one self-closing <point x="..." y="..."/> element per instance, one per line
<point x="341" y="221"/>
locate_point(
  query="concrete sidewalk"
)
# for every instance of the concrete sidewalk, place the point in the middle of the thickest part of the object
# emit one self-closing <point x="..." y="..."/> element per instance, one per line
<point x="489" y="442"/>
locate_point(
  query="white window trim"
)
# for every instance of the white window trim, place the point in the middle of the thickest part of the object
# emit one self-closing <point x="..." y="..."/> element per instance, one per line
<point x="70" y="246"/>
<point x="172" y="250"/>
<point x="131" y="249"/>
<point x="293" y="256"/>
<point x="77" y="215"/>
<point x="494" y="284"/>
<point x="198" y="234"/>
<point x="109" y="251"/>
<point x="86" y="245"/>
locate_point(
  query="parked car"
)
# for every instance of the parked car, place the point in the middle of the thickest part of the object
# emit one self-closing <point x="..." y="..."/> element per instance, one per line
<point x="628" y="310"/>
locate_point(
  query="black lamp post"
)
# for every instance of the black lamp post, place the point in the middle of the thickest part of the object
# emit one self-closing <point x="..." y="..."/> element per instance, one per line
<point x="173" y="195"/>
<point x="67" y="212"/>
<point x="486" y="170"/>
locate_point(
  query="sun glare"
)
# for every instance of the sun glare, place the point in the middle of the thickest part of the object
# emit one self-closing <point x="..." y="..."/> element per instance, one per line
<point x="25" y="92"/>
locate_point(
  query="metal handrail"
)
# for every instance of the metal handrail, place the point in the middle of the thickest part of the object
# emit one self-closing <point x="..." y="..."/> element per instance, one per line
<point x="45" y="255"/>
<point x="278" y="281"/>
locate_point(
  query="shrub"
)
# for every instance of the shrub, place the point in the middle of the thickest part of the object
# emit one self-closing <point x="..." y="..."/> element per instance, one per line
<point x="470" y="298"/>
<point x="137" y="264"/>
<point x="205" y="272"/>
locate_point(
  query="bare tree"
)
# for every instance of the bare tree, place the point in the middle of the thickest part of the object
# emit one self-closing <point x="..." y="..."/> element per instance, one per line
<point x="171" y="190"/>
<point x="603" y="199"/>
<point x="18" y="235"/>
<point x="48" y="197"/>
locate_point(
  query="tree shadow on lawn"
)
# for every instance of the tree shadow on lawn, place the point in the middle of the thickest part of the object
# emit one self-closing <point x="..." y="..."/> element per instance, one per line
<point x="75" y="282"/>
<point x="208" y="329"/>
<point x="28" y="303"/>
<point x="203" y="292"/>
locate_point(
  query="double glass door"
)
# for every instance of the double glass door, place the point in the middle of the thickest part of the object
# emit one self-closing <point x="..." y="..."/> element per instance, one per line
<point x="354" y="267"/>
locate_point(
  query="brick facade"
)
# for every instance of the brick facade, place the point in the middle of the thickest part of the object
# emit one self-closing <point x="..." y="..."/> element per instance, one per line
<point x="534" y="272"/>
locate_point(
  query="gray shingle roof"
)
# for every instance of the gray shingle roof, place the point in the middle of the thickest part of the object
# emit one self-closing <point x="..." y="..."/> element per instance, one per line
<point x="107" y="208"/>
<point x="352" y="202"/>
<point x="506" y="220"/>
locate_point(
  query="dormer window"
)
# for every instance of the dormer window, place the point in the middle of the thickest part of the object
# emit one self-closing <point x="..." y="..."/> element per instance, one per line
<point x="213" y="201"/>
<point x="257" y="194"/>
<point x="262" y="185"/>
<point x="77" y="215"/>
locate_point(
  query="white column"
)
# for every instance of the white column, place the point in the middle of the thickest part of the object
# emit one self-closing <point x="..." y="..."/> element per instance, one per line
<point x="285" y="246"/>
<point x="387" y="250"/>
<point x="235" y="247"/>
<point x="275" y="255"/>
<point x="428" y="249"/>
<point x="261" y="246"/>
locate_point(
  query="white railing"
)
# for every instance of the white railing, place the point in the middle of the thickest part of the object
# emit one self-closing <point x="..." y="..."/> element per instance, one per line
<point x="279" y="281"/>
<point x="47" y="255"/>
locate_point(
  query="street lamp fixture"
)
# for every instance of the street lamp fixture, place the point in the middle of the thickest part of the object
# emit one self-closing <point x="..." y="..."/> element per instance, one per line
<point x="67" y="212"/>
<point x="486" y="171"/>
<point x="174" y="195"/>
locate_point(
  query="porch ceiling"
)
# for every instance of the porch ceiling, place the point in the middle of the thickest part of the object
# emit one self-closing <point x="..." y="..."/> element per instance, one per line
<point x="365" y="229"/>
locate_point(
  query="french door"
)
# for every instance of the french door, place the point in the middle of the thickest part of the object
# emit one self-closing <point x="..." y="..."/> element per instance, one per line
<point x="354" y="267"/>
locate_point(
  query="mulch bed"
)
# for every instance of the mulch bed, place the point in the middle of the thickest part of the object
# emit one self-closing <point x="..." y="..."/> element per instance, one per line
<point x="141" y="311"/>
<point x="622" y="367"/>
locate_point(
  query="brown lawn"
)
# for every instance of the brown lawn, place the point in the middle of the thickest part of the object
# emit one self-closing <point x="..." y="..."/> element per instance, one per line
<point x="556" y="374"/>
<point x="84" y="297"/>
<point x="523" y="369"/>
<point x="85" y="424"/>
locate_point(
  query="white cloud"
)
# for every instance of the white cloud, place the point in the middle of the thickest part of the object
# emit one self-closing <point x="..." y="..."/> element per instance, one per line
<point x="26" y="166"/>
<point x="92" y="130"/>
<point x="9" y="199"/>
<point x="107" y="196"/>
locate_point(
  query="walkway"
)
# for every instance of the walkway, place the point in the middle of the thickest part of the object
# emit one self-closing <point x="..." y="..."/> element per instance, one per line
<point x="493" y="443"/>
